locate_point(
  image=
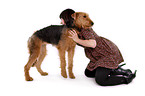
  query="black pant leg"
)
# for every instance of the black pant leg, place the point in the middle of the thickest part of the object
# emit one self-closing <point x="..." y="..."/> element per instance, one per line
<point x="103" y="78"/>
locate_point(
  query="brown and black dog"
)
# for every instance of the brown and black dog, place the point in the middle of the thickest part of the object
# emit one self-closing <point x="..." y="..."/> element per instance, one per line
<point x="58" y="36"/>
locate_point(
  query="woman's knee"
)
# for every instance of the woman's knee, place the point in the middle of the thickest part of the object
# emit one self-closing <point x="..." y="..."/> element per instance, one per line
<point x="101" y="76"/>
<point x="99" y="82"/>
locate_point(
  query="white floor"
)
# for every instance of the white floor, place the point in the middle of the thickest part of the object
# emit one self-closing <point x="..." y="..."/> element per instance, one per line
<point x="13" y="81"/>
<point x="122" y="22"/>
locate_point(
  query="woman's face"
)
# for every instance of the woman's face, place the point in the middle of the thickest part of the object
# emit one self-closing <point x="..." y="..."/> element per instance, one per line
<point x="62" y="22"/>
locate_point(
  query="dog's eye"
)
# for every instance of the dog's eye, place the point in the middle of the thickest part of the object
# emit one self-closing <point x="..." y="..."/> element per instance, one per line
<point x="84" y="16"/>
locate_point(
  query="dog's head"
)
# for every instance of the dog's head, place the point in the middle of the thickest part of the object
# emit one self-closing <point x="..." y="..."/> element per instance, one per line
<point x="82" y="20"/>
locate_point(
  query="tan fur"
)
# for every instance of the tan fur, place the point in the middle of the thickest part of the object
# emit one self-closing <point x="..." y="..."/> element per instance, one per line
<point x="37" y="48"/>
<point x="82" y="20"/>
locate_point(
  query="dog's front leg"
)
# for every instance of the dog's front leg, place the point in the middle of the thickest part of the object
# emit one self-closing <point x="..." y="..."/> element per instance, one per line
<point x="63" y="62"/>
<point x="70" y="62"/>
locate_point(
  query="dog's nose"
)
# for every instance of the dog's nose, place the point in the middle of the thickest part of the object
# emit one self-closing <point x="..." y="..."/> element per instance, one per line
<point x="92" y="23"/>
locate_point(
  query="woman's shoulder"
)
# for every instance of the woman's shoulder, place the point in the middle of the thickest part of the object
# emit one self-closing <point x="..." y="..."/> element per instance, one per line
<point x="88" y="33"/>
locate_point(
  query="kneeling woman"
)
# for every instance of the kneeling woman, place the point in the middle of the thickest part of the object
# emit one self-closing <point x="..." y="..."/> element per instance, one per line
<point x="105" y="58"/>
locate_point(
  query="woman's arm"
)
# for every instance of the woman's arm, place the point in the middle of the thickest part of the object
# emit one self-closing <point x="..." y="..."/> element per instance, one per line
<point x="87" y="43"/>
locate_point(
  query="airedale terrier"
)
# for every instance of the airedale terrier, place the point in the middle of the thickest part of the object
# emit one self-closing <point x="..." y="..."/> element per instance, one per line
<point x="58" y="36"/>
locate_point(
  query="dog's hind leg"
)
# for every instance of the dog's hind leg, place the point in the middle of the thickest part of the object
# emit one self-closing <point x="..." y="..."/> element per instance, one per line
<point x="70" y="61"/>
<point x="32" y="59"/>
<point x="40" y="59"/>
<point x="34" y="45"/>
<point x="63" y="62"/>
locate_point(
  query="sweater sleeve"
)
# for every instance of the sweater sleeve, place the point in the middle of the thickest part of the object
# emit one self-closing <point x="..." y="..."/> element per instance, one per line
<point x="88" y="34"/>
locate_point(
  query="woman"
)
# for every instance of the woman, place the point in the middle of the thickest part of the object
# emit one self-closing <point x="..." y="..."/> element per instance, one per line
<point x="105" y="58"/>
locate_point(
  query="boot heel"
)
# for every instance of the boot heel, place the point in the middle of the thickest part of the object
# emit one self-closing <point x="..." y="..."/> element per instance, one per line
<point x="130" y="77"/>
<point x="134" y="75"/>
<point x="121" y="65"/>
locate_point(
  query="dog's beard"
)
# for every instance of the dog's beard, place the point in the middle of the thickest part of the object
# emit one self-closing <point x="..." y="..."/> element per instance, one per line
<point x="86" y="27"/>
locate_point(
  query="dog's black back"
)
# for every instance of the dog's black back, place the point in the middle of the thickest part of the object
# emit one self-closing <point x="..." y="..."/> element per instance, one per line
<point x="50" y="34"/>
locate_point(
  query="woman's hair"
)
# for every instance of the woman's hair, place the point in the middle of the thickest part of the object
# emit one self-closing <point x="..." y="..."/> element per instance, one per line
<point x="66" y="16"/>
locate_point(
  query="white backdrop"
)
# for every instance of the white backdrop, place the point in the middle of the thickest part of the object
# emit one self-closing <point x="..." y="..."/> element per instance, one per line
<point x="121" y="21"/>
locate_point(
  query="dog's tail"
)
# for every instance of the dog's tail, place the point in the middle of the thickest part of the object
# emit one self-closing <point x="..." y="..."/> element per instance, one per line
<point x="30" y="45"/>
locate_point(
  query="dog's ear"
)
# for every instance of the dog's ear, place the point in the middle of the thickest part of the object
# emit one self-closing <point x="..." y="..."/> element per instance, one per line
<point x="74" y="15"/>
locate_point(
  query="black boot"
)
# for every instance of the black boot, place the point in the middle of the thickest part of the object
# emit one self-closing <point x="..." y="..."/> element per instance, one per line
<point x="130" y="77"/>
<point x="121" y="71"/>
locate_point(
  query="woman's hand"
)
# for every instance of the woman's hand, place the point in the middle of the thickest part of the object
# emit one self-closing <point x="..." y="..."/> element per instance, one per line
<point x="74" y="35"/>
<point x="87" y="43"/>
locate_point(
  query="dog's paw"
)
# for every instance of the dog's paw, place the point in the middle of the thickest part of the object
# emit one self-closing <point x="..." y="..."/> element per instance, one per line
<point x="44" y="73"/>
<point x="29" y="79"/>
<point x="71" y="76"/>
<point x="64" y="74"/>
